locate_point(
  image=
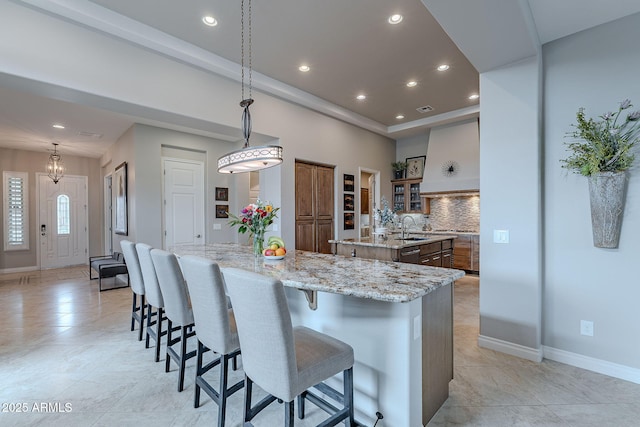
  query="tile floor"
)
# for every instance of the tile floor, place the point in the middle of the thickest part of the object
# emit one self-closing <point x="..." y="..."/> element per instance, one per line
<point x="68" y="346"/>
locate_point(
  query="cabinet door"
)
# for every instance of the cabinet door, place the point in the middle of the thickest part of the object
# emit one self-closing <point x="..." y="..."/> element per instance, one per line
<point x="398" y="197"/>
<point x="462" y="252"/>
<point x="324" y="231"/>
<point x="324" y="191"/>
<point x="447" y="258"/>
<point x="364" y="201"/>
<point x="414" y="202"/>
<point x="475" y="264"/>
<point x="305" y="235"/>
<point x="305" y="191"/>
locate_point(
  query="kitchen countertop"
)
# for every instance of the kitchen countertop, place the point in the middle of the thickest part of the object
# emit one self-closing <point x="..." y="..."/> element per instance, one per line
<point x="362" y="278"/>
<point x="393" y="242"/>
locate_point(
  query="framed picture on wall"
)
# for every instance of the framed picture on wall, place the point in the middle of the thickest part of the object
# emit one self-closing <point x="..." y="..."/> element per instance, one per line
<point x="349" y="223"/>
<point x="221" y="211"/>
<point x="415" y="166"/>
<point x="349" y="202"/>
<point x="349" y="182"/>
<point x="222" y="193"/>
<point x="120" y="175"/>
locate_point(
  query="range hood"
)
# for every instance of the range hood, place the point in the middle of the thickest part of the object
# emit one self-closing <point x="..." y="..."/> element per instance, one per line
<point x="453" y="159"/>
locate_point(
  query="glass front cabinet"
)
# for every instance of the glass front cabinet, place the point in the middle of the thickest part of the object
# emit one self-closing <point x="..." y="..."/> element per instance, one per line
<point x="406" y="195"/>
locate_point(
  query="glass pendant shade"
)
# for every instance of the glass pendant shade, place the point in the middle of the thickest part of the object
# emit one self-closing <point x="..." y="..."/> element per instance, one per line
<point x="55" y="166"/>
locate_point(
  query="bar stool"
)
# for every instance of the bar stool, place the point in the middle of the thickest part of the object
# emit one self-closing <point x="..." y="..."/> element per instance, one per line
<point x="154" y="298"/>
<point x="286" y="361"/>
<point x="178" y="310"/>
<point x="215" y="328"/>
<point x="137" y="285"/>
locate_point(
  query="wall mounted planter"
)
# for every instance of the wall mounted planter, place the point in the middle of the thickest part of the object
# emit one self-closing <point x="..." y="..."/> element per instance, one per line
<point x="607" y="191"/>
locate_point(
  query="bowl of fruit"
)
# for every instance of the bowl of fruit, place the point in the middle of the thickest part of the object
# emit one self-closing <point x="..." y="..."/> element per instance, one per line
<point x="274" y="249"/>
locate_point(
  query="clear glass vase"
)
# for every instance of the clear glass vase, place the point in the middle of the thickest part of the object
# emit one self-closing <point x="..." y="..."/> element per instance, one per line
<point x="258" y="242"/>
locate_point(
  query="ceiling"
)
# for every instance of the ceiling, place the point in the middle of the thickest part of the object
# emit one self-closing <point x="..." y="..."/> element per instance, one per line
<point x="349" y="46"/>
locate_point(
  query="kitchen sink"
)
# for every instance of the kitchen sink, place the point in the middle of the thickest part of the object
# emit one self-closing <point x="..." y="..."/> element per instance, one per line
<point x="416" y="238"/>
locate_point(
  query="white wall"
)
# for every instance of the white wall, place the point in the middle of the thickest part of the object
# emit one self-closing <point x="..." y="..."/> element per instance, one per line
<point x="510" y="181"/>
<point x="594" y="69"/>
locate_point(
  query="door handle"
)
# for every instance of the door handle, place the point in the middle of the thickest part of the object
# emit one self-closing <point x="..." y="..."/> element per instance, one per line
<point x="43" y="230"/>
<point x="198" y="236"/>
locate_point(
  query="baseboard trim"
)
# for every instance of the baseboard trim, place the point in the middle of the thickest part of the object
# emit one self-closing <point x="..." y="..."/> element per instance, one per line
<point x="592" y="364"/>
<point x="510" y="348"/>
<point x="19" y="269"/>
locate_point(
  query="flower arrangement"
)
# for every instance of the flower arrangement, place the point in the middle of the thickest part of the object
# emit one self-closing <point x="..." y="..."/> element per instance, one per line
<point x="608" y="143"/>
<point x="385" y="215"/>
<point x="255" y="218"/>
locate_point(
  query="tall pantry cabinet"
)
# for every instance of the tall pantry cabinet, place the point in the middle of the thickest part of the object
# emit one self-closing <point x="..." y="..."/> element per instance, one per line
<point x="314" y="207"/>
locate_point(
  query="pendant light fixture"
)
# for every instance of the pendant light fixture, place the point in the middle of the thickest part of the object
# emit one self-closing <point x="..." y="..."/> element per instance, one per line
<point x="248" y="158"/>
<point x="55" y="166"/>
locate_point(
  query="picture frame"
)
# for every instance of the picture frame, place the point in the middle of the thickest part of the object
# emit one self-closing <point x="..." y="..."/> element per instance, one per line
<point x="349" y="182"/>
<point x="222" y="194"/>
<point x="221" y="211"/>
<point x="349" y="202"/>
<point x="121" y="225"/>
<point x="349" y="223"/>
<point x="415" y="167"/>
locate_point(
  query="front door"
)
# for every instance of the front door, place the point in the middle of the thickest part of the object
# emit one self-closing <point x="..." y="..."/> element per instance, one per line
<point x="62" y="221"/>
<point x="184" y="202"/>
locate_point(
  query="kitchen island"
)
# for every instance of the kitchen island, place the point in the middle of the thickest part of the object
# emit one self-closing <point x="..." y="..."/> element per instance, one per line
<point x="398" y="318"/>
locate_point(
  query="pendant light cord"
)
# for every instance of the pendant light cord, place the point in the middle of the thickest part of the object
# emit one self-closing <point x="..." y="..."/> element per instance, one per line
<point x="249" y="47"/>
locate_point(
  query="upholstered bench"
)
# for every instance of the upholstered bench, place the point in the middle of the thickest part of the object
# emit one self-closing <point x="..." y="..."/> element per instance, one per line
<point x="108" y="266"/>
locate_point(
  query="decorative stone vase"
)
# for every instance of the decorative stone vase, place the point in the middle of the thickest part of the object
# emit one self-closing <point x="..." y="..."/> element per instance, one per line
<point x="607" y="192"/>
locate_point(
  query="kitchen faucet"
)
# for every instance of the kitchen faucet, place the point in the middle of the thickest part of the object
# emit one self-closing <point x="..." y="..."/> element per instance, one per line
<point x="403" y="226"/>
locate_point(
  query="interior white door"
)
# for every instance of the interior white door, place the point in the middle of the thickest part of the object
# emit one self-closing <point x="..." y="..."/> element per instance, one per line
<point x="108" y="215"/>
<point x="63" y="221"/>
<point x="184" y="202"/>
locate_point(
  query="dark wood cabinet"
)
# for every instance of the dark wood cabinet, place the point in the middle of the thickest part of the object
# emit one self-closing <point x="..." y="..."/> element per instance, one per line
<point x="466" y="252"/>
<point x="364" y="201"/>
<point x="314" y="207"/>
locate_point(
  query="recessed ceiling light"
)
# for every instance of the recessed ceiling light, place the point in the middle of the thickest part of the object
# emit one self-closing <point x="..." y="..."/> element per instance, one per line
<point x="399" y="117"/>
<point x="58" y="126"/>
<point x="209" y="20"/>
<point x="304" y="68"/>
<point x="395" y="19"/>
<point x="443" y="67"/>
<point x="412" y="83"/>
<point x="361" y="97"/>
<point x="474" y="96"/>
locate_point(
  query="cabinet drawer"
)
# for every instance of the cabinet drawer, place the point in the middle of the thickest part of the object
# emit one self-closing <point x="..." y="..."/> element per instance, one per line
<point x="432" y="260"/>
<point x="430" y="248"/>
<point x="446" y="244"/>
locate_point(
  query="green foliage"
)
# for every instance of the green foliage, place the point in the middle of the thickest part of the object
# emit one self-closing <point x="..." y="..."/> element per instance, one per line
<point x="606" y="145"/>
<point x="399" y="166"/>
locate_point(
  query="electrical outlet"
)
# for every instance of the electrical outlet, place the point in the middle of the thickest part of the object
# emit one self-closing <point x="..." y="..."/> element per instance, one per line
<point x="586" y="328"/>
<point x="217" y="226"/>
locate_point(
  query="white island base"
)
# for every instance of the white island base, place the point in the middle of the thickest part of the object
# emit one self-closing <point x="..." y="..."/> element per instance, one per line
<point x="403" y="351"/>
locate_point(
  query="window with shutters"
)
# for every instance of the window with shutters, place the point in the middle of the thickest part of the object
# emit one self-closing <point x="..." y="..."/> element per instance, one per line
<point x="16" y="211"/>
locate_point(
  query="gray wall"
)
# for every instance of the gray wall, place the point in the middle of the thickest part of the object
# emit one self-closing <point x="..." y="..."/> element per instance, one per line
<point x="35" y="162"/>
<point x="594" y="69"/>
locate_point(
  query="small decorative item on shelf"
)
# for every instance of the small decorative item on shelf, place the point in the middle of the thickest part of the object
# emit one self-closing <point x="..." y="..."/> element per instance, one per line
<point x="255" y="218"/>
<point x="604" y="156"/>
<point x="398" y="169"/>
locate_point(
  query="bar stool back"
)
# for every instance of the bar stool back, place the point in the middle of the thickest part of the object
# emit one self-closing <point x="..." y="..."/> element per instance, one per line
<point x="137" y="285"/>
<point x="154" y="298"/>
<point x="215" y="328"/>
<point x="286" y="361"/>
<point x="177" y="308"/>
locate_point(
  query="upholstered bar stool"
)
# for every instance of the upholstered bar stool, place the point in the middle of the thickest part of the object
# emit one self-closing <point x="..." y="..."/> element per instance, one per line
<point x="286" y="361"/>
<point x="178" y="310"/>
<point x="154" y="298"/>
<point x="137" y="285"/>
<point x="215" y="328"/>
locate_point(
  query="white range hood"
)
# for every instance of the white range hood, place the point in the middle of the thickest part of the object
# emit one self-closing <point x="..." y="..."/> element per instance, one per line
<point x="453" y="158"/>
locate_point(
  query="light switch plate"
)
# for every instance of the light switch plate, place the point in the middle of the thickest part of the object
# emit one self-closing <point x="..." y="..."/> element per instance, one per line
<point x="217" y="226"/>
<point x="500" y="236"/>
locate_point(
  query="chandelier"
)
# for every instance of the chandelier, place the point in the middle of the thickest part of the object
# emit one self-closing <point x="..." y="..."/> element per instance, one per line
<point x="248" y="158"/>
<point x="55" y="166"/>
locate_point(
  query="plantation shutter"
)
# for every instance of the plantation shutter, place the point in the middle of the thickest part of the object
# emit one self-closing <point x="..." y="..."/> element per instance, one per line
<point x="16" y="211"/>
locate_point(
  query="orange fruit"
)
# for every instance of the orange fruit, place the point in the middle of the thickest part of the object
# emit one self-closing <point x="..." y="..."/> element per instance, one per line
<point x="280" y="252"/>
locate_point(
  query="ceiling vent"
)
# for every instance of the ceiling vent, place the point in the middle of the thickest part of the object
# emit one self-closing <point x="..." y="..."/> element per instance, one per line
<point x="90" y="134"/>
<point x="425" y="109"/>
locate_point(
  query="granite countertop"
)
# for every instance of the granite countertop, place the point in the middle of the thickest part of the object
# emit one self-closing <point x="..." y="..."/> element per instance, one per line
<point x="362" y="278"/>
<point x="394" y="242"/>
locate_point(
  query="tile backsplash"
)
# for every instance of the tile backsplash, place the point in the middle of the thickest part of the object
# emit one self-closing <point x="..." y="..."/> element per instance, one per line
<point x="455" y="213"/>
